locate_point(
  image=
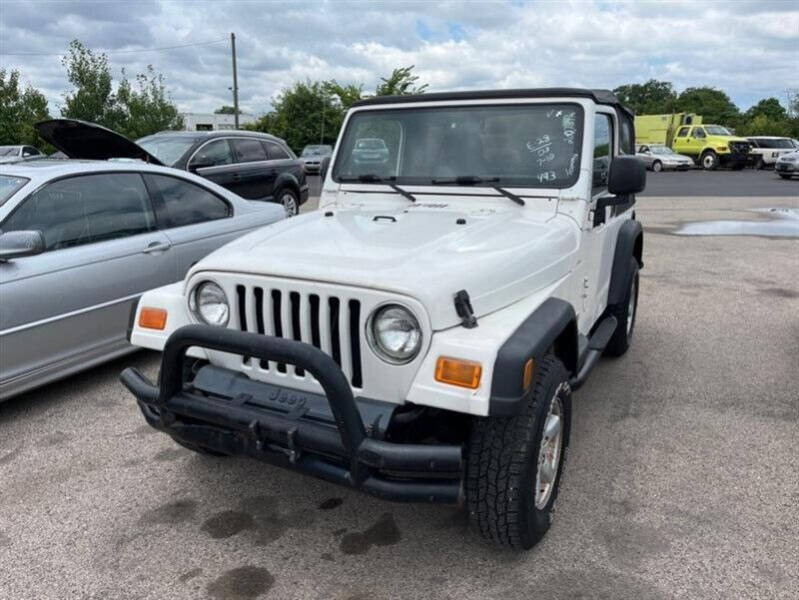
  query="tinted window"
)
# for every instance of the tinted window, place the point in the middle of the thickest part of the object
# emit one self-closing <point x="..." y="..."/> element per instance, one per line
<point x="87" y="209"/>
<point x="249" y="150"/>
<point x="214" y="153"/>
<point x="186" y="203"/>
<point x="698" y="132"/>
<point x="276" y="151"/>
<point x="603" y="147"/>
<point x="29" y="151"/>
<point x="683" y="132"/>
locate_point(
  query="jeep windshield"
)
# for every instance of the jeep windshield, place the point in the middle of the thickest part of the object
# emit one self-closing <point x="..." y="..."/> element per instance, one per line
<point x="532" y="145"/>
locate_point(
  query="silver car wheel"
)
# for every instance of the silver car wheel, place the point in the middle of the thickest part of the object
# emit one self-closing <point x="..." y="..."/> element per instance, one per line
<point x="657" y="167"/>
<point x="289" y="203"/>
<point x="549" y="453"/>
<point x="631" y="309"/>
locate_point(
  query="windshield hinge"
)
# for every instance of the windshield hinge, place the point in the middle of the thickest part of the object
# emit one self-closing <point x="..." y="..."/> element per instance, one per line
<point x="463" y="306"/>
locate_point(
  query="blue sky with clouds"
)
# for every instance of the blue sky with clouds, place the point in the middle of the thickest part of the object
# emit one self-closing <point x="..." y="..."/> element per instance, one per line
<point x="750" y="49"/>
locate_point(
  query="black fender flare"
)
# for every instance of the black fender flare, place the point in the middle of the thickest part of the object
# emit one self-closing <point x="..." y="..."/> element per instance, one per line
<point x="551" y="325"/>
<point x="287" y="180"/>
<point x="629" y="244"/>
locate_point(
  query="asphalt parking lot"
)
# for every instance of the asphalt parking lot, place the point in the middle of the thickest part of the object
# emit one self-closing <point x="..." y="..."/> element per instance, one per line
<point x="681" y="480"/>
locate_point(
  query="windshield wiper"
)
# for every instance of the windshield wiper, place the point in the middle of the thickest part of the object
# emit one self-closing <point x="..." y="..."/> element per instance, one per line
<point x="372" y="178"/>
<point x="517" y="199"/>
<point x="464" y="180"/>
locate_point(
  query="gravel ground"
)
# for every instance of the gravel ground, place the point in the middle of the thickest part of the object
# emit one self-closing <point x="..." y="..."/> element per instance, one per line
<point x="681" y="482"/>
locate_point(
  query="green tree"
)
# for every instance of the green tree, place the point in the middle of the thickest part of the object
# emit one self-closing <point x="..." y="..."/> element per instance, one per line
<point x="347" y="95"/>
<point x="20" y="109"/>
<point x="226" y="110"/>
<point x="763" y="125"/>
<point x="653" y="97"/>
<point x="401" y="82"/>
<point x="144" y="108"/>
<point x="305" y="113"/>
<point x="770" y="108"/>
<point x="714" y="105"/>
<point x="89" y="73"/>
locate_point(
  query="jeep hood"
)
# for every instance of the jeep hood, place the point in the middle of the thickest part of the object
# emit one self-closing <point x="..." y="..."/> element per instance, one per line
<point x="497" y="256"/>
<point x="80" y="139"/>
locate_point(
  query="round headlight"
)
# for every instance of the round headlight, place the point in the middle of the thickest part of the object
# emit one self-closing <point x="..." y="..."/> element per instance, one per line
<point x="394" y="334"/>
<point x="209" y="303"/>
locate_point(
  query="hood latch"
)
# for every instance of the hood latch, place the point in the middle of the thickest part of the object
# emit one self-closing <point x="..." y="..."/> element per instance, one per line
<point x="463" y="306"/>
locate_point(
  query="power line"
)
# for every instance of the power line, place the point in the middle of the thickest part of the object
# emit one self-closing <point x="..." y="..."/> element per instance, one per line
<point x="117" y="52"/>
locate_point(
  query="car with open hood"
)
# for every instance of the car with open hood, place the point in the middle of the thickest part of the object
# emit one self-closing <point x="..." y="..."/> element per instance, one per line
<point x="81" y="240"/>
<point x="419" y="337"/>
<point x="254" y="165"/>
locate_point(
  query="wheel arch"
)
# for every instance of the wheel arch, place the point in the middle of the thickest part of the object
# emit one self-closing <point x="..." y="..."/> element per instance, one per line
<point x="629" y="244"/>
<point x="287" y="180"/>
<point x="550" y="327"/>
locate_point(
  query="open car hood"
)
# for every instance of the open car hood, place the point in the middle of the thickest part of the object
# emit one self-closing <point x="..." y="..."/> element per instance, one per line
<point x="80" y="139"/>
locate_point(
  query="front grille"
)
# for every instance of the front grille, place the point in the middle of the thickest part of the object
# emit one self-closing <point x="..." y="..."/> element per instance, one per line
<point x="330" y="323"/>
<point x="741" y="148"/>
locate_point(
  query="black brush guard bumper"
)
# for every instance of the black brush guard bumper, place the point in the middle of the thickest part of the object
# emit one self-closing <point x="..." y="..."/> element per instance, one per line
<point x="339" y="450"/>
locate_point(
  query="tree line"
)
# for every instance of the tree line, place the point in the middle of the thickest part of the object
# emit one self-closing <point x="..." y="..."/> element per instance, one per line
<point x="311" y="112"/>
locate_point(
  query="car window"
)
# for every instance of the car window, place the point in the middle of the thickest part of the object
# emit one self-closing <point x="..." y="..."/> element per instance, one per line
<point x="186" y="203"/>
<point x="29" y="151"/>
<point x="249" y="150"/>
<point x="86" y="209"/>
<point x="276" y="151"/>
<point x="698" y="132"/>
<point x="603" y="150"/>
<point x="9" y="184"/>
<point x="683" y="132"/>
<point x="167" y="149"/>
<point x="213" y="154"/>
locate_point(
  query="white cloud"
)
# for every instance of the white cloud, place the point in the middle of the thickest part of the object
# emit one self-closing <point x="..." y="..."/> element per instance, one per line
<point x="749" y="49"/>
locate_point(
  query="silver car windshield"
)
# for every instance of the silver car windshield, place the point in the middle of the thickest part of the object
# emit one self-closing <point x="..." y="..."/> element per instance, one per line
<point x="9" y="150"/>
<point x="510" y="145"/>
<point x="167" y="149"/>
<point x="9" y="184"/>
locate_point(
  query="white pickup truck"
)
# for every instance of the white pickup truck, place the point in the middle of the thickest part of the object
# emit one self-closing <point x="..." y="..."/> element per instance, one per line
<point x="419" y="336"/>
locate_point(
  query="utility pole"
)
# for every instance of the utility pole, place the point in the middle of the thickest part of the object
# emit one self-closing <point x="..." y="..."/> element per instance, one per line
<point x="235" y="83"/>
<point x="322" y="132"/>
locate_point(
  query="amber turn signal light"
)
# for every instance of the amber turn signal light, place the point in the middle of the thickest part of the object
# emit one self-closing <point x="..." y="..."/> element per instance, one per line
<point x="454" y="371"/>
<point x="527" y="378"/>
<point x="152" y="318"/>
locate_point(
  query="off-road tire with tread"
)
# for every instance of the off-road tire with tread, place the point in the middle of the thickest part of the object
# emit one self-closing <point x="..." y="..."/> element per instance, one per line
<point x="503" y="462"/>
<point x="620" y="341"/>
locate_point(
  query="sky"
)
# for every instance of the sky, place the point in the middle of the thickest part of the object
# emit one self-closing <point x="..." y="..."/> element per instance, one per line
<point x="750" y="49"/>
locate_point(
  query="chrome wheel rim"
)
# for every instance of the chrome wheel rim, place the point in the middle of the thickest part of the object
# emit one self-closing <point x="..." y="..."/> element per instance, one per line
<point x="709" y="161"/>
<point x="549" y="453"/>
<point x="631" y="308"/>
<point x="289" y="204"/>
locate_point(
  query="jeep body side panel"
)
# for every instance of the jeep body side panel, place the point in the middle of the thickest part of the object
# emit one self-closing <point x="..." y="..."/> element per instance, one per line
<point x="553" y="324"/>
<point x="629" y="244"/>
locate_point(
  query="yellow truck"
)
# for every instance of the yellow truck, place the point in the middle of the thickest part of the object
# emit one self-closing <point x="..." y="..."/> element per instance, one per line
<point x="709" y="145"/>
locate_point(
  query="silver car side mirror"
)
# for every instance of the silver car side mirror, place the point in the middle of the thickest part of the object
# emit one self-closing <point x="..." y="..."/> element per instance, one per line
<point x="14" y="244"/>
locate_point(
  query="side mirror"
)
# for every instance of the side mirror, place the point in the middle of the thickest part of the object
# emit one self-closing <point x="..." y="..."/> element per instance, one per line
<point x="627" y="176"/>
<point x="14" y="244"/>
<point x="323" y="167"/>
<point x="198" y="164"/>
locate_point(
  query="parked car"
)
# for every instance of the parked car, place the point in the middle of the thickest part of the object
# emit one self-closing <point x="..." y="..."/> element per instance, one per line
<point x="787" y="165"/>
<point x="81" y="240"/>
<point x="712" y="146"/>
<point x="767" y="149"/>
<point x="656" y="158"/>
<point x="256" y="166"/>
<point x="370" y="151"/>
<point x="419" y="336"/>
<point x="312" y="156"/>
<point x="10" y="154"/>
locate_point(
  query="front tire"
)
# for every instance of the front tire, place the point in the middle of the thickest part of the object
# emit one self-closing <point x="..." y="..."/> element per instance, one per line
<point x="710" y="160"/>
<point x="515" y="464"/>
<point x="657" y="166"/>
<point x="290" y="201"/>
<point x="760" y="164"/>
<point x="625" y="313"/>
<point x="785" y="176"/>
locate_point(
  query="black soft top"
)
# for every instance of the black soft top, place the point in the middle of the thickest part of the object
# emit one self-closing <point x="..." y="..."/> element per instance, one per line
<point x="598" y="96"/>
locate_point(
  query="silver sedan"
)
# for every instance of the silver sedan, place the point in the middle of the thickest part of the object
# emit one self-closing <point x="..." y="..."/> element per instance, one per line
<point x="657" y="158"/>
<point x="81" y="240"/>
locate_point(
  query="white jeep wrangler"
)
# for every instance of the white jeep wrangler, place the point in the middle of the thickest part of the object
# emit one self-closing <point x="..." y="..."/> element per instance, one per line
<point x="419" y="336"/>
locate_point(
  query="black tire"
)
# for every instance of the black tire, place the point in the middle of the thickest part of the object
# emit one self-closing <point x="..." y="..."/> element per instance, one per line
<point x="784" y="175"/>
<point x="290" y="201"/>
<point x="760" y="165"/>
<point x="657" y="166"/>
<point x="503" y="457"/>
<point x="625" y="312"/>
<point x="709" y="160"/>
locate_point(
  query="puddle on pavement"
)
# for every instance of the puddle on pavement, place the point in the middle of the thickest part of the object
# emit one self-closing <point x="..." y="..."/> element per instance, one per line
<point x="784" y="222"/>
